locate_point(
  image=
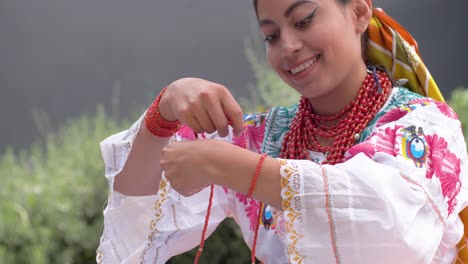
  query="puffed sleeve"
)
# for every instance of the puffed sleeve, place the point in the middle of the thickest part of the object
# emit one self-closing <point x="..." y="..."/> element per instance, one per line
<point x="152" y="229"/>
<point x="395" y="199"/>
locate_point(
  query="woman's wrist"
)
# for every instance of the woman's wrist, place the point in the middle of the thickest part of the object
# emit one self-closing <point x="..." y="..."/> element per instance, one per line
<point x="164" y="106"/>
<point x="156" y="123"/>
<point x="235" y="168"/>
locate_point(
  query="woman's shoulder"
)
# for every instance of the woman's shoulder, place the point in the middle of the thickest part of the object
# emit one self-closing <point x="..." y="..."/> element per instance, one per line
<point x="405" y="103"/>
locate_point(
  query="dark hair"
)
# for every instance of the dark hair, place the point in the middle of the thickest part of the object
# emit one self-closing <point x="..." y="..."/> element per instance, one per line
<point x="364" y="37"/>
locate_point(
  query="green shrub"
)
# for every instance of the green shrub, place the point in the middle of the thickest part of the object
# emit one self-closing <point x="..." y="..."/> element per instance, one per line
<point x="53" y="194"/>
<point x="459" y="102"/>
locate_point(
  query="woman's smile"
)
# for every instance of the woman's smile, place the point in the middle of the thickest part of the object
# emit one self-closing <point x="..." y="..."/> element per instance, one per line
<point x="303" y="69"/>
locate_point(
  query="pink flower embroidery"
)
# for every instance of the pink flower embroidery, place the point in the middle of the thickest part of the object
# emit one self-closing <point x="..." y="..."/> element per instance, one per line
<point x="446" y="166"/>
<point x="421" y="101"/>
<point x="255" y="134"/>
<point x="252" y="213"/>
<point x="252" y="137"/>
<point x="449" y="179"/>
<point x="251" y="209"/>
<point x="437" y="146"/>
<point x="244" y="199"/>
<point x="386" y="140"/>
<point x="365" y="147"/>
<point x="381" y="141"/>
<point x="446" y="110"/>
<point x="241" y="140"/>
<point x="391" y="116"/>
<point x="186" y="132"/>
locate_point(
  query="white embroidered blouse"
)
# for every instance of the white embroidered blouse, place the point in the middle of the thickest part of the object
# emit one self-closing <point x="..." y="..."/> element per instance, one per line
<point x="395" y="199"/>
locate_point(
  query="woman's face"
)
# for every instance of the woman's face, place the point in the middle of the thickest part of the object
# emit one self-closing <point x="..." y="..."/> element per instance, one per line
<point x="314" y="45"/>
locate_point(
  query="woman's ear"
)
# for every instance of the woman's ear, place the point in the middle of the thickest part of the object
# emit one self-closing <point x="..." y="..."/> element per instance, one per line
<point x="363" y="14"/>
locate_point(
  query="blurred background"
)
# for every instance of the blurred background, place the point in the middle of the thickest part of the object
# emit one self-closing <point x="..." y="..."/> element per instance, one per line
<point x="73" y="72"/>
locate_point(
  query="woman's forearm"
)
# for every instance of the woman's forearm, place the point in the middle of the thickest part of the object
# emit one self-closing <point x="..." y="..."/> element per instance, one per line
<point x="239" y="171"/>
<point x="142" y="171"/>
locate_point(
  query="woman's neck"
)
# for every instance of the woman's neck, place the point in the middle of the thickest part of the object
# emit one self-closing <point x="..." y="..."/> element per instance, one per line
<point x="343" y="94"/>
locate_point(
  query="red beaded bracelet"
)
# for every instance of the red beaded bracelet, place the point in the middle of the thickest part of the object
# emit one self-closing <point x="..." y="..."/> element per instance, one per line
<point x="257" y="173"/>
<point x="156" y="123"/>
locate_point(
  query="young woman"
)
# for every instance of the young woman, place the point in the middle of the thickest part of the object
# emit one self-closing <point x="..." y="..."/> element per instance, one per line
<point x="360" y="171"/>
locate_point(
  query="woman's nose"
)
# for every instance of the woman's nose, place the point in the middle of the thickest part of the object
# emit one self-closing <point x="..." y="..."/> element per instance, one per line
<point x="291" y="43"/>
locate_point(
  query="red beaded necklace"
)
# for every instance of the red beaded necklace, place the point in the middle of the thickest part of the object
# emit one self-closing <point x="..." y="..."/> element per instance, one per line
<point x="306" y="125"/>
<point x="350" y="122"/>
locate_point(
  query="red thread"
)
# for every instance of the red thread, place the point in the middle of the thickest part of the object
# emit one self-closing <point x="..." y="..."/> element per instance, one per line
<point x="205" y="227"/>
<point x="257" y="173"/>
<point x="210" y="204"/>
<point x="254" y="244"/>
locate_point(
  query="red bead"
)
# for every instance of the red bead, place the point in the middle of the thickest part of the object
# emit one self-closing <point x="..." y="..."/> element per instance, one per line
<point x="156" y="124"/>
<point x="352" y="119"/>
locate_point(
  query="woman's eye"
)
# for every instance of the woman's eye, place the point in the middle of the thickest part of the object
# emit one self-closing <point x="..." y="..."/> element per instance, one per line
<point x="271" y="37"/>
<point x="303" y="22"/>
<point x="307" y="19"/>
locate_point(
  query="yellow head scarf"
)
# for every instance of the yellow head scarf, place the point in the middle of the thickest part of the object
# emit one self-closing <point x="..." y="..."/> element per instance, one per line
<point x="391" y="46"/>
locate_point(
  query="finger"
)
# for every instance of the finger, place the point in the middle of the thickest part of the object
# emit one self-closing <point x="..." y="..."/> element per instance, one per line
<point x="190" y="120"/>
<point x="234" y="113"/>
<point x="205" y="121"/>
<point x="219" y="119"/>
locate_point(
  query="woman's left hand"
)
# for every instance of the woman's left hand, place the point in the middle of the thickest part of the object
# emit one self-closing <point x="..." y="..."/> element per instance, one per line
<point x="190" y="166"/>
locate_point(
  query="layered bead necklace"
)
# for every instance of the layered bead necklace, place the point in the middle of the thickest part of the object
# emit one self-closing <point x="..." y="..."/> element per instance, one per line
<point x="306" y="126"/>
<point x="348" y="125"/>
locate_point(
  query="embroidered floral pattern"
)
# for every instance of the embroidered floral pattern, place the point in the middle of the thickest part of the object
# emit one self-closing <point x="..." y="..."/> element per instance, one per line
<point x="158" y="216"/>
<point x="185" y="132"/>
<point x="252" y="213"/>
<point x="446" y="166"/>
<point x="100" y="252"/>
<point x="438" y="160"/>
<point x="392" y="116"/>
<point x="381" y="141"/>
<point x="398" y="97"/>
<point x="443" y="107"/>
<point x="290" y="189"/>
<point x="446" y="110"/>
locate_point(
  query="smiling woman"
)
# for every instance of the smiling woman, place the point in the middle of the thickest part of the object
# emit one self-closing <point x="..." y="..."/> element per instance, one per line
<point x="357" y="172"/>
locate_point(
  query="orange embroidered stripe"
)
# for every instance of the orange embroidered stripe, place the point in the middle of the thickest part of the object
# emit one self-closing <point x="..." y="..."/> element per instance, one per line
<point x="433" y="205"/>
<point x="331" y="219"/>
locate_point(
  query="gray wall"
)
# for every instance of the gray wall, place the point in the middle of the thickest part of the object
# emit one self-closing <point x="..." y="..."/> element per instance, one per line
<point x="62" y="57"/>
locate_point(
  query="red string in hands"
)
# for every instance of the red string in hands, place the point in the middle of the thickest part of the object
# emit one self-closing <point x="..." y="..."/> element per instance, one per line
<point x="250" y="192"/>
<point x="257" y="227"/>
<point x="205" y="227"/>
<point x="257" y="173"/>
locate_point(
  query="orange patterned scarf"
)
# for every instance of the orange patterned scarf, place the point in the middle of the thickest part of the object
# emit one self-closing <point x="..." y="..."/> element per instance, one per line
<point x="391" y="46"/>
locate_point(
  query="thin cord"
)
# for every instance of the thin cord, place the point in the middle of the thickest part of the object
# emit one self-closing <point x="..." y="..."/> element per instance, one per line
<point x="205" y="227"/>
<point x="254" y="244"/>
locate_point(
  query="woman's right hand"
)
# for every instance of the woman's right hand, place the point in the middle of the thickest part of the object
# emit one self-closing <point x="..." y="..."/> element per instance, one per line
<point x="202" y="105"/>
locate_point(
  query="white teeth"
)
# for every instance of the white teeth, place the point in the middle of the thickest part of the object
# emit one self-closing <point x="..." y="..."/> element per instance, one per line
<point x="304" y="66"/>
